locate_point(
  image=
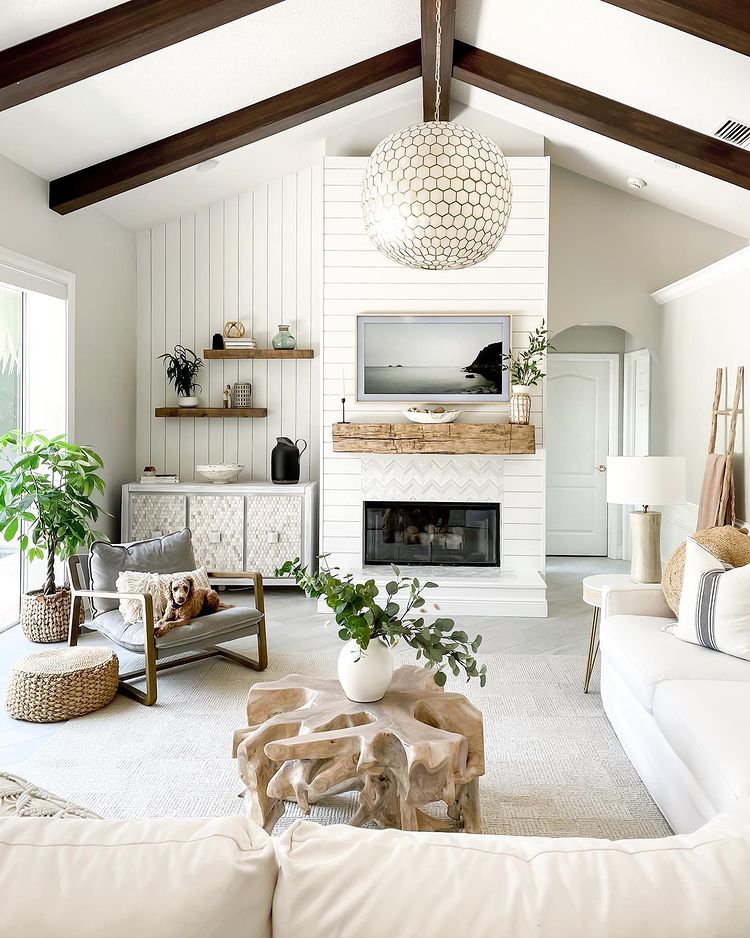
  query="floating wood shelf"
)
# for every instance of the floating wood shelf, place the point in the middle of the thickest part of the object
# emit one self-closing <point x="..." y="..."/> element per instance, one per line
<point x="234" y="353"/>
<point x="225" y="412"/>
<point x="502" y="439"/>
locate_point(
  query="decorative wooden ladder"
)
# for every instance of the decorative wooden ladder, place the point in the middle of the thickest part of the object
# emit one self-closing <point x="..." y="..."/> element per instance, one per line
<point x="732" y="413"/>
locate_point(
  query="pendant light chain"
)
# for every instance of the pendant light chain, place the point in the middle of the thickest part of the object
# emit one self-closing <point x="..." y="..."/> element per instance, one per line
<point x="438" y="44"/>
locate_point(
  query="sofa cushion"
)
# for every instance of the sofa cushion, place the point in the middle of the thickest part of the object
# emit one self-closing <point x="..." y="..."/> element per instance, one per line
<point x="107" y="561"/>
<point x="706" y="724"/>
<point x="206" y="878"/>
<point x="644" y="655"/>
<point x="223" y="625"/>
<point x="347" y="881"/>
<point x="715" y="603"/>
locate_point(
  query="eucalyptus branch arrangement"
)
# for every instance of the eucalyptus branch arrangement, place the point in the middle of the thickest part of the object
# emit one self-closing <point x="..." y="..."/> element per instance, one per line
<point x="362" y="618"/>
<point x="182" y="369"/>
<point x="524" y="365"/>
<point x="45" y="494"/>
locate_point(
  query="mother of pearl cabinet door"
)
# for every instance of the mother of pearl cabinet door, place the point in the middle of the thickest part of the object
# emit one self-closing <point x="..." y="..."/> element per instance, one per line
<point x="154" y="515"/>
<point x="274" y="531"/>
<point x="217" y="523"/>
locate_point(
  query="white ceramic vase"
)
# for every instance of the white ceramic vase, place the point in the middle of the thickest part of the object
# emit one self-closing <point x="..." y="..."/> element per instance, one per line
<point x="520" y="404"/>
<point x="191" y="401"/>
<point x="365" y="675"/>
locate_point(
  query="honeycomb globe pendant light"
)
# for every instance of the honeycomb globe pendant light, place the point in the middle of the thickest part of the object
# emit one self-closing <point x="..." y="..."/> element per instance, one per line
<point x="437" y="195"/>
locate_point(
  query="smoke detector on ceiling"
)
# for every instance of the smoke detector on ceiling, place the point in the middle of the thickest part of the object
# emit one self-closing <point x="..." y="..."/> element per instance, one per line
<point x="635" y="182"/>
<point x="732" y="131"/>
<point x="206" y="166"/>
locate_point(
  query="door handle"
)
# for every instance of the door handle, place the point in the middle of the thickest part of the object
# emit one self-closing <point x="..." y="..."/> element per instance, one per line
<point x="601" y="467"/>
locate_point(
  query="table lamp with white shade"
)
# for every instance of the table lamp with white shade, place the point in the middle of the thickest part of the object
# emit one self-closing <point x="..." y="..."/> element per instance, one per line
<point x="646" y="480"/>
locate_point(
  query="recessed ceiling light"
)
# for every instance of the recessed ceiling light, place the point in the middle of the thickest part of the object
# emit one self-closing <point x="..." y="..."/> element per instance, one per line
<point x="207" y="165"/>
<point x="667" y="164"/>
<point x="635" y="182"/>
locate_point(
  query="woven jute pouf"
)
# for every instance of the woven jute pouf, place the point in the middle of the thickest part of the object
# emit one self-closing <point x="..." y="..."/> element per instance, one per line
<point x="57" y="685"/>
<point x="725" y="543"/>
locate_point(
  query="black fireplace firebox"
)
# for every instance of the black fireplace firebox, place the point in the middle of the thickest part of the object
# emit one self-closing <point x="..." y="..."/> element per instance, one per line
<point x="465" y="534"/>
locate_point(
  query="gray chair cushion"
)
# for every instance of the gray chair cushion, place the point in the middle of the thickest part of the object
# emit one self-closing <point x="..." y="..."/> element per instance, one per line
<point x="169" y="554"/>
<point x="224" y="625"/>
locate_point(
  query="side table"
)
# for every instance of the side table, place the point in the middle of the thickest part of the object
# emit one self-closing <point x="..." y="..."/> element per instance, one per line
<point x="592" y="596"/>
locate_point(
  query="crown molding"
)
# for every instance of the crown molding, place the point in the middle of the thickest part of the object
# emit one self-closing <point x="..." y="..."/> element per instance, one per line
<point x="731" y="264"/>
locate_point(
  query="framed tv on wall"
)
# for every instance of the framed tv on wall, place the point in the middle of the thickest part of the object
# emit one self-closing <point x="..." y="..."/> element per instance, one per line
<point x="454" y="358"/>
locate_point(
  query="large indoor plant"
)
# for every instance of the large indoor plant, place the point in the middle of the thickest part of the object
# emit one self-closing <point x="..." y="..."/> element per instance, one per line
<point x="45" y="497"/>
<point x="525" y="372"/>
<point x="371" y="629"/>
<point x="183" y="366"/>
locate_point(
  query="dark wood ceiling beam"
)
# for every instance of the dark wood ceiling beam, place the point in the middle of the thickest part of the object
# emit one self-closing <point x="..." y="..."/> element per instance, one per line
<point x="601" y="115"/>
<point x="108" y="39"/>
<point x="429" y="41"/>
<point x="231" y="131"/>
<point x="724" y="22"/>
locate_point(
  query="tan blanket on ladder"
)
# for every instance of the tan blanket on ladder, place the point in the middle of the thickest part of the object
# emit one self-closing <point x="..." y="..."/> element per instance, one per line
<point x="710" y="500"/>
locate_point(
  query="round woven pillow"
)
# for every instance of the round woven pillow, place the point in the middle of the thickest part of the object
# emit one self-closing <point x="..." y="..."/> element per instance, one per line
<point x="725" y="543"/>
<point x="57" y="685"/>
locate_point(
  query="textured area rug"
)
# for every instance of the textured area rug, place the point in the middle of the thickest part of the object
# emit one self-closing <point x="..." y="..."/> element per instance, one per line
<point x="554" y="765"/>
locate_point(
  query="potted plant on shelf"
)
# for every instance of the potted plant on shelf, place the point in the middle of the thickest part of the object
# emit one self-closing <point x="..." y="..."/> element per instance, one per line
<point x="371" y="629"/>
<point x="183" y="366"/>
<point x="45" y="496"/>
<point x="526" y="373"/>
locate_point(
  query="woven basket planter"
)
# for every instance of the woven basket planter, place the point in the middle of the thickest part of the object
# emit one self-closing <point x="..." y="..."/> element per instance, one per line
<point x="59" y="684"/>
<point x="45" y="618"/>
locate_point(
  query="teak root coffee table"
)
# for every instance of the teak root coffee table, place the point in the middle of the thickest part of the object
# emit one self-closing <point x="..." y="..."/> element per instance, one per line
<point x="305" y="740"/>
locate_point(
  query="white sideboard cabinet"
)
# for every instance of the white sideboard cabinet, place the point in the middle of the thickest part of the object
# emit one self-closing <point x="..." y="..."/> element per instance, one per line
<point x="242" y="526"/>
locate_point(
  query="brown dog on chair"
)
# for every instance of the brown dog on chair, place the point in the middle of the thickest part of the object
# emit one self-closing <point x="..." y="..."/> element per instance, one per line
<point x="186" y="602"/>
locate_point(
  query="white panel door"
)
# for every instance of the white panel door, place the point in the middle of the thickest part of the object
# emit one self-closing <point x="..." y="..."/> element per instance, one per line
<point x="580" y="390"/>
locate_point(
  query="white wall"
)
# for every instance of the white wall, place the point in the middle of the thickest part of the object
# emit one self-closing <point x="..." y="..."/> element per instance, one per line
<point x="254" y="257"/>
<point x="101" y="254"/>
<point x="610" y="250"/>
<point x="359" y="279"/>
<point x="704" y="328"/>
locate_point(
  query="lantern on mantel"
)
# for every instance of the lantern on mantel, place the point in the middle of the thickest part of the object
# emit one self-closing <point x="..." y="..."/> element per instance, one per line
<point x="437" y="195"/>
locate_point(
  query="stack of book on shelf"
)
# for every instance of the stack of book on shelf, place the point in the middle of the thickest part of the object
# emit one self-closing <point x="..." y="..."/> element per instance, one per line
<point x="240" y="343"/>
<point x="151" y="478"/>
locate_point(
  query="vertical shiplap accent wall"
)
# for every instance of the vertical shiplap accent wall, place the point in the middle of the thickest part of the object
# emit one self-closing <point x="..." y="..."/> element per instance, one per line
<point x="256" y="257"/>
<point x="358" y="279"/>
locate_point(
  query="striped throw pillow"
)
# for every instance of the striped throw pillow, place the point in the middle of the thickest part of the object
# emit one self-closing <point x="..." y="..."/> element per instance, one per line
<point x="714" y="603"/>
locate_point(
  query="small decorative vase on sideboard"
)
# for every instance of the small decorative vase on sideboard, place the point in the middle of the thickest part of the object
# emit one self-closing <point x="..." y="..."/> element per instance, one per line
<point x="284" y="339"/>
<point x="285" y="457"/>
<point x="520" y="404"/>
<point x="365" y="676"/>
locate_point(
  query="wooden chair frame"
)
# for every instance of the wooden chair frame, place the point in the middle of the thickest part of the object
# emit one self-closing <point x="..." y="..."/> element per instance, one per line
<point x="150" y="650"/>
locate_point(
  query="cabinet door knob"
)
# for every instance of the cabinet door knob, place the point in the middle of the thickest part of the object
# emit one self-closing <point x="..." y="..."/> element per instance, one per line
<point x="601" y="467"/>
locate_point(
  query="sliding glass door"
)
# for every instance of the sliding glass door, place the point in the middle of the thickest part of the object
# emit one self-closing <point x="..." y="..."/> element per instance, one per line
<point x="33" y="394"/>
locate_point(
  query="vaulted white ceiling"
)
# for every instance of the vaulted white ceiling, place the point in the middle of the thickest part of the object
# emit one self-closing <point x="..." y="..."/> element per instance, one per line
<point x="586" y="42"/>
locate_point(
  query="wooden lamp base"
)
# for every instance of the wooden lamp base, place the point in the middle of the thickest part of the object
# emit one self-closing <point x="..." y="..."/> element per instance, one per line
<point x="645" y="529"/>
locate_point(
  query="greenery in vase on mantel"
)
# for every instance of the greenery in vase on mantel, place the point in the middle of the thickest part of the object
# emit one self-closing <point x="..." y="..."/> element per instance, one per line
<point x="361" y="618"/>
<point x="524" y="365"/>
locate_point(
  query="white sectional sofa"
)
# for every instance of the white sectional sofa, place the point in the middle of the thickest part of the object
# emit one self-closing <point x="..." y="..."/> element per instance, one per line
<point x="681" y="711"/>
<point x="226" y="878"/>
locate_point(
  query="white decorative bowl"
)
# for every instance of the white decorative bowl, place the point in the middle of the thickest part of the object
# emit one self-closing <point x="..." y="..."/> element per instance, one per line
<point x="192" y="401"/>
<point x="426" y="417"/>
<point x="220" y="473"/>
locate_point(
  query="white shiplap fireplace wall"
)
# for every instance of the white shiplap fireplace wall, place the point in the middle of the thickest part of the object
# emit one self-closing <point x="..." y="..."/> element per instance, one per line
<point x="358" y="279"/>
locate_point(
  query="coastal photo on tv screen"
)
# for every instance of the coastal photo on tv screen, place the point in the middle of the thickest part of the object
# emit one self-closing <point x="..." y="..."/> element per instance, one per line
<point x="456" y="358"/>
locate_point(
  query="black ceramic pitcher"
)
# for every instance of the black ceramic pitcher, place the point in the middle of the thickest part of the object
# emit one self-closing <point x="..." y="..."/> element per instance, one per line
<point x="285" y="458"/>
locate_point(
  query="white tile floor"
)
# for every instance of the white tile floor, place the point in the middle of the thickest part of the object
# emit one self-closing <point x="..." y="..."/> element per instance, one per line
<point x="293" y="621"/>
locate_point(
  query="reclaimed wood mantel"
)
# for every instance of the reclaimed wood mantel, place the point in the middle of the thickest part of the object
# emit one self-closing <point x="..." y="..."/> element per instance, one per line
<point x="501" y="439"/>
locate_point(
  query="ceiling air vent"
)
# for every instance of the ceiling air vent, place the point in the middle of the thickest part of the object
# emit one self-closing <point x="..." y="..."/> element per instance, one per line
<point x="734" y="132"/>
